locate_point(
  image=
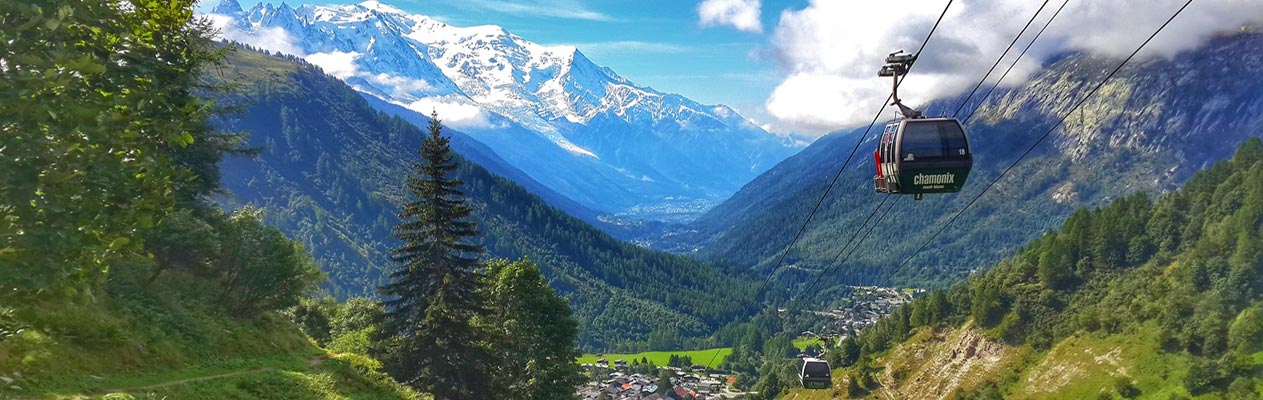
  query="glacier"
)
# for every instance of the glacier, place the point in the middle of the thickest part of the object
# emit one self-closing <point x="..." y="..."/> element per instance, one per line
<point x="576" y="127"/>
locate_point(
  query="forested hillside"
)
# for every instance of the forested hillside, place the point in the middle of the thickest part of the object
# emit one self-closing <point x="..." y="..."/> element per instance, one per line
<point x="1148" y="129"/>
<point x="331" y="172"/>
<point x="1142" y="298"/>
<point x="479" y="153"/>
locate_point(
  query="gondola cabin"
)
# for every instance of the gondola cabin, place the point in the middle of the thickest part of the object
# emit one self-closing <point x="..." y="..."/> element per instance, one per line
<point x="922" y="155"/>
<point x="814" y="373"/>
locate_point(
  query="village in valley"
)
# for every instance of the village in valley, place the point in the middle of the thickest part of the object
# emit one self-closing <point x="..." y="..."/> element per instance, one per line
<point x="644" y="381"/>
<point x="862" y="308"/>
<point x="638" y="379"/>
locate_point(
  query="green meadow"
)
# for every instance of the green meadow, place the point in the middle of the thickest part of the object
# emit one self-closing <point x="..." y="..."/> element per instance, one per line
<point x="710" y="358"/>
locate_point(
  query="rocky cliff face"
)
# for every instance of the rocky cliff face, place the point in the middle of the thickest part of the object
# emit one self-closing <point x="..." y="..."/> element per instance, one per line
<point x="940" y="362"/>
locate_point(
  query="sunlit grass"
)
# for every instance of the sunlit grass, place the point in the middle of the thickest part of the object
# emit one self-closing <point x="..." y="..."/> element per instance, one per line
<point x="710" y="358"/>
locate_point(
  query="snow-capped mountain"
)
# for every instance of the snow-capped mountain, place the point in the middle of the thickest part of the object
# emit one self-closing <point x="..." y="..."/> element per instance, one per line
<point x="576" y="127"/>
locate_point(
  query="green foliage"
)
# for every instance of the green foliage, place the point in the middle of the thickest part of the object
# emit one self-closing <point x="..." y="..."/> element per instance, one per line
<point x="664" y="381"/>
<point x="103" y="135"/>
<point x="750" y="341"/>
<point x="535" y="336"/>
<point x="347" y="327"/>
<point x="776" y="377"/>
<point x="356" y="314"/>
<point x="261" y="269"/>
<point x="354" y="342"/>
<point x="743" y="382"/>
<point x="1245" y="335"/>
<point x="184" y="241"/>
<point x="315" y="317"/>
<point x="432" y="342"/>
<point x="118" y="272"/>
<point x="847" y="353"/>
<point x="1124" y="388"/>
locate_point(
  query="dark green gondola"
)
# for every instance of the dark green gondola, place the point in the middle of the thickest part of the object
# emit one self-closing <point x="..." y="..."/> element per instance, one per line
<point x="918" y="155"/>
<point x="814" y="373"/>
<point x="923" y="156"/>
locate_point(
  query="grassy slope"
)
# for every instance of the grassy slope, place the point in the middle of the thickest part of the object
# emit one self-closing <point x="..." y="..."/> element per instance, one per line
<point x="931" y="365"/>
<point x="1084" y="366"/>
<point x="803" y="342"/>
<point x="661" y="358"/>
<point x="346" y="376"/>
<point x="140" y="337"/>
<point x="165" y="341"/>
<point x="699" y="356"/>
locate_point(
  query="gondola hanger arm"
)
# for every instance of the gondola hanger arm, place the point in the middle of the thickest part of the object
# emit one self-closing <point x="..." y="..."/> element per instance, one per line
<point x="898" y="64"/>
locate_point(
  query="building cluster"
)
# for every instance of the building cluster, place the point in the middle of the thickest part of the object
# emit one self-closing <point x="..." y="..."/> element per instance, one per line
<point x="686" y="383"/>
<point x="866" y="305"/>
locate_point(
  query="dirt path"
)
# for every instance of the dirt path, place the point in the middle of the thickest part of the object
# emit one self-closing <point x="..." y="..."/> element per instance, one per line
<point x="311" y="362"/>
<point x="181" y="381"/>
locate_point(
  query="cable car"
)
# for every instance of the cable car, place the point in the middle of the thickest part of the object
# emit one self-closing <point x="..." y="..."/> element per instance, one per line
<point x="814" y="373"/>
<point x="922" y="155"/>
<point x="918" y="155"/>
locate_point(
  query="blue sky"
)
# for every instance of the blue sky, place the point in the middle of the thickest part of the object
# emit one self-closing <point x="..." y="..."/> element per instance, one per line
<point x="657" y="43"/>
<point x="808" y="67"/>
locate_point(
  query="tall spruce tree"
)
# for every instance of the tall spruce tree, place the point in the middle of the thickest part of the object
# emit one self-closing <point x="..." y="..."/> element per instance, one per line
<point x="433" y="302"/>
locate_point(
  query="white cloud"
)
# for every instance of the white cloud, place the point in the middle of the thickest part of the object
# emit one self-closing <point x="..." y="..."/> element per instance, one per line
<point x="401" y="85"/>
<point x="830" y="51"/>
<point x="453" y="113"/>
<point x="271" y="39"/>
<point x="566" y="9"/>
<point x="740" y="14"/>
<point x="630" y="46"/>
<point x="343" y="66"/>
<point x="336" y="63"/>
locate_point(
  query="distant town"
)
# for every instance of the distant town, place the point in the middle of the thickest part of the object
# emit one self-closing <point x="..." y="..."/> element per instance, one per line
<point x="862" y="309"/>
<point x="695" y="382"/>
<point x="623" y="379"/>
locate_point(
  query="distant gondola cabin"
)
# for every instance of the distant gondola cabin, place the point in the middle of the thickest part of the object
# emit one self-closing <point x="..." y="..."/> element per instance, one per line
<point x="814" y="373"/>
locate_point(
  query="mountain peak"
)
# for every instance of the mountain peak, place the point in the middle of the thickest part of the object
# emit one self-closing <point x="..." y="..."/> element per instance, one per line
<point x="381" y="7"/>
<point x="227" y="7"/>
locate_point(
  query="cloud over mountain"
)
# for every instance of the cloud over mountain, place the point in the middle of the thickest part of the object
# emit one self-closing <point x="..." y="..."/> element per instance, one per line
<point x="831" y="50"/>
<point x="740" y="14"/>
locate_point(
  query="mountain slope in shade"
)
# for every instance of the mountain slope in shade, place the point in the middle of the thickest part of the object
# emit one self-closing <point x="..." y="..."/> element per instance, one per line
<point x="1148" y="129"/>
<point x="477" y="152"/>
<point x="331" y="176"/>
<point x="574" y="126"/>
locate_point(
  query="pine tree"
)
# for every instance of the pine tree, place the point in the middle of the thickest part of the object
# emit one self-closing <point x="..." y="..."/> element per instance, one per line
<point x="432" y="301"/>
